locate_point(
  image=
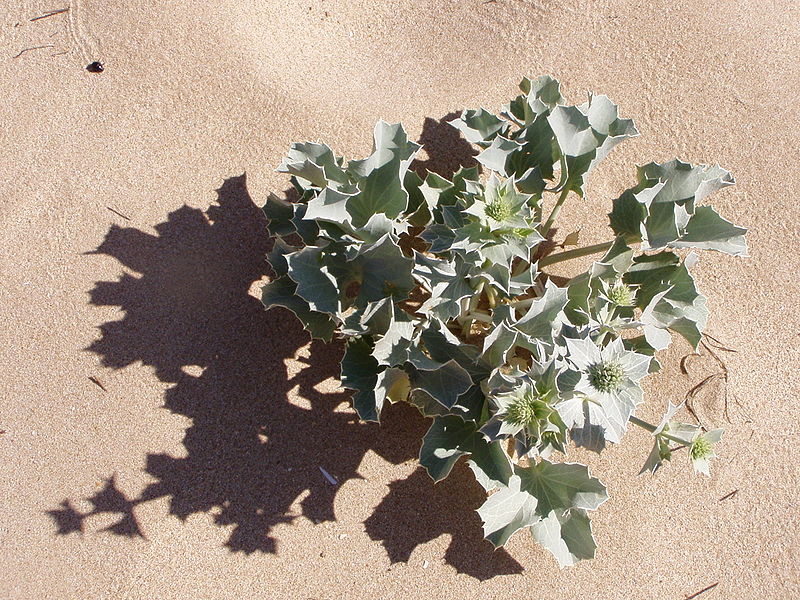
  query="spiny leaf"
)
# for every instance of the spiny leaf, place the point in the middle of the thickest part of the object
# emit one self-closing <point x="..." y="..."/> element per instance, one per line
<point x="449" y="438"/>
<point x="314" y="165"/>
<point x="383" y="271"/>
<point x="381" y="175"/>
<point x="543" y="317"/>
<point x="568" y="536"/>
<point x="586" y="134"/>
<point x="561" y="486"/>
<point x="283" y="292"/>
<point x="315" y="282"/>
<point x="279" y="215"/>
<point x="373" y="385"/>
<point x="507" y="511"/>
<point x="662" y="210"/>
<point x="479" y="126"/>
<point x="444" y="383"/>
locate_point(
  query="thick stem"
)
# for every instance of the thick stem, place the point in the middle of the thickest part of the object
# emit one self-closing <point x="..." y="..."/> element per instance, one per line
<point x="652" y="428"/>
<point x="473" y="305"/>
<point x="520" y="304"/>
<point x="545" y="229"/>
<point x="492" y="296"/>
<point x="479" y="316"/>
<point x="520" y="267"/>
<point x="574" y="253"/>
<point x="643" y="424"/>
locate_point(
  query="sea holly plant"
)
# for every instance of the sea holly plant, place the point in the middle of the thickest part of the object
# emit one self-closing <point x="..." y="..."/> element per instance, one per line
<point x="444" y="294"/>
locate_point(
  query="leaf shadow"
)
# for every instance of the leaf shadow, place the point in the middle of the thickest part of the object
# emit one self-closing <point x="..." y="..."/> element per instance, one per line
<point x="260" y="431"/>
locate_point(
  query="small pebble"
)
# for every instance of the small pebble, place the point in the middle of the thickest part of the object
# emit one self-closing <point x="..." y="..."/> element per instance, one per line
<point x="95" y="67"/>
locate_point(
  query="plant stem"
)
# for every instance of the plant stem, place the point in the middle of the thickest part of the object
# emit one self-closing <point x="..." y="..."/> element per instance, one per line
<point x="556" y="209"/>
<point x="473" y="305"/>
<point x="519" y="304"/>
<point x="651" y="428"/>
<point x="492" y="296"/>
<point x="575" y="253"/>
<point x="643" y="424"/>
<point x="479" y="316"/>
<point x="521" y="266"/>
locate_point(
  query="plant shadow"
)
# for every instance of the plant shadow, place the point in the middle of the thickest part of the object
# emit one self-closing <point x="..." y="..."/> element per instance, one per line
<point x="260" y="428"/>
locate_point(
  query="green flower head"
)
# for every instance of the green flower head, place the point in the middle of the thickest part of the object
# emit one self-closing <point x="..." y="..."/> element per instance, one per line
<point x="526" y="413"/>
<point x="701" y="450"/>
<point x="607" y="376"/>
<point x="502" y="206"/>
<point x="621" y="295"/>
<point x="528" y="409"/>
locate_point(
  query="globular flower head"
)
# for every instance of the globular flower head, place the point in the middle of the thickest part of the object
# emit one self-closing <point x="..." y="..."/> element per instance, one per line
<point x="526" y="412"/>
<point x="607" y="376"/>
<point x="621" y="294"/>
<point x="528" y="409"/>
<point x="502" y="207"/>
<point x="606" y="370"/>
<point x="701" y="450"/>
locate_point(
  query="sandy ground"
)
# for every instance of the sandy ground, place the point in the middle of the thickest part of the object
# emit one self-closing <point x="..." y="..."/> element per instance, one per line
<point x="194" y="471"/>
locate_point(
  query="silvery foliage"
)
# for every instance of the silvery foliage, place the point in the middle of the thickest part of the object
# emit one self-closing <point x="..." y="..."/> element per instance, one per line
<point x="435" y="288"/>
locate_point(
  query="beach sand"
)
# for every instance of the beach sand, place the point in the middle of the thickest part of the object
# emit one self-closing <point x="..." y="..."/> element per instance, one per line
<point x="164" y="436"/>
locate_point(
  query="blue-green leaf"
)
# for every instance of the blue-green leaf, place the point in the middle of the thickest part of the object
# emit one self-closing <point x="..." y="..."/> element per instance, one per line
<point x="383" y="271"/>
<point x="283" y="292"/>
<point x="567" y="535"/>
<point x="315" y="282"/>
<point x="444" y="383"/>
<point x="381" y="175"/>
<point x="479" y="126"/>
<point x="507" y="511"/>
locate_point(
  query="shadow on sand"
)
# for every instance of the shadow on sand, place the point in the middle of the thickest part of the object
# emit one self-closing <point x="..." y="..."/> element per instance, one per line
<point x="250" y="452"/>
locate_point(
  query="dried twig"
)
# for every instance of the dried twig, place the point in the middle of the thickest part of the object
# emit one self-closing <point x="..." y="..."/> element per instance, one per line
<point x="719" y="345"/>
<point x="704" y="590"/>
<point x="97" y="382"/>
<point x="724" y="370"/>
<point x="24" y="50"/>
<point x="50" y="14"/>
<point x="729" y="495"/>
<point x="116" y="212"/>
<point x="685" y="362"/>
<point x="710" y="344"/>
<point x="690" y="395"/>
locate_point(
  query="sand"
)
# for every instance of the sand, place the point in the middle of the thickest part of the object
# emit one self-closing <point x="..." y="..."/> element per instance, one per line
<point x="163" y="435"/>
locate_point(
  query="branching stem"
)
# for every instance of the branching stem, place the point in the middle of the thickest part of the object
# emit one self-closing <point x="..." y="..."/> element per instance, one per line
<point x="652" y="428"/>
<point x="520" y="304"/>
